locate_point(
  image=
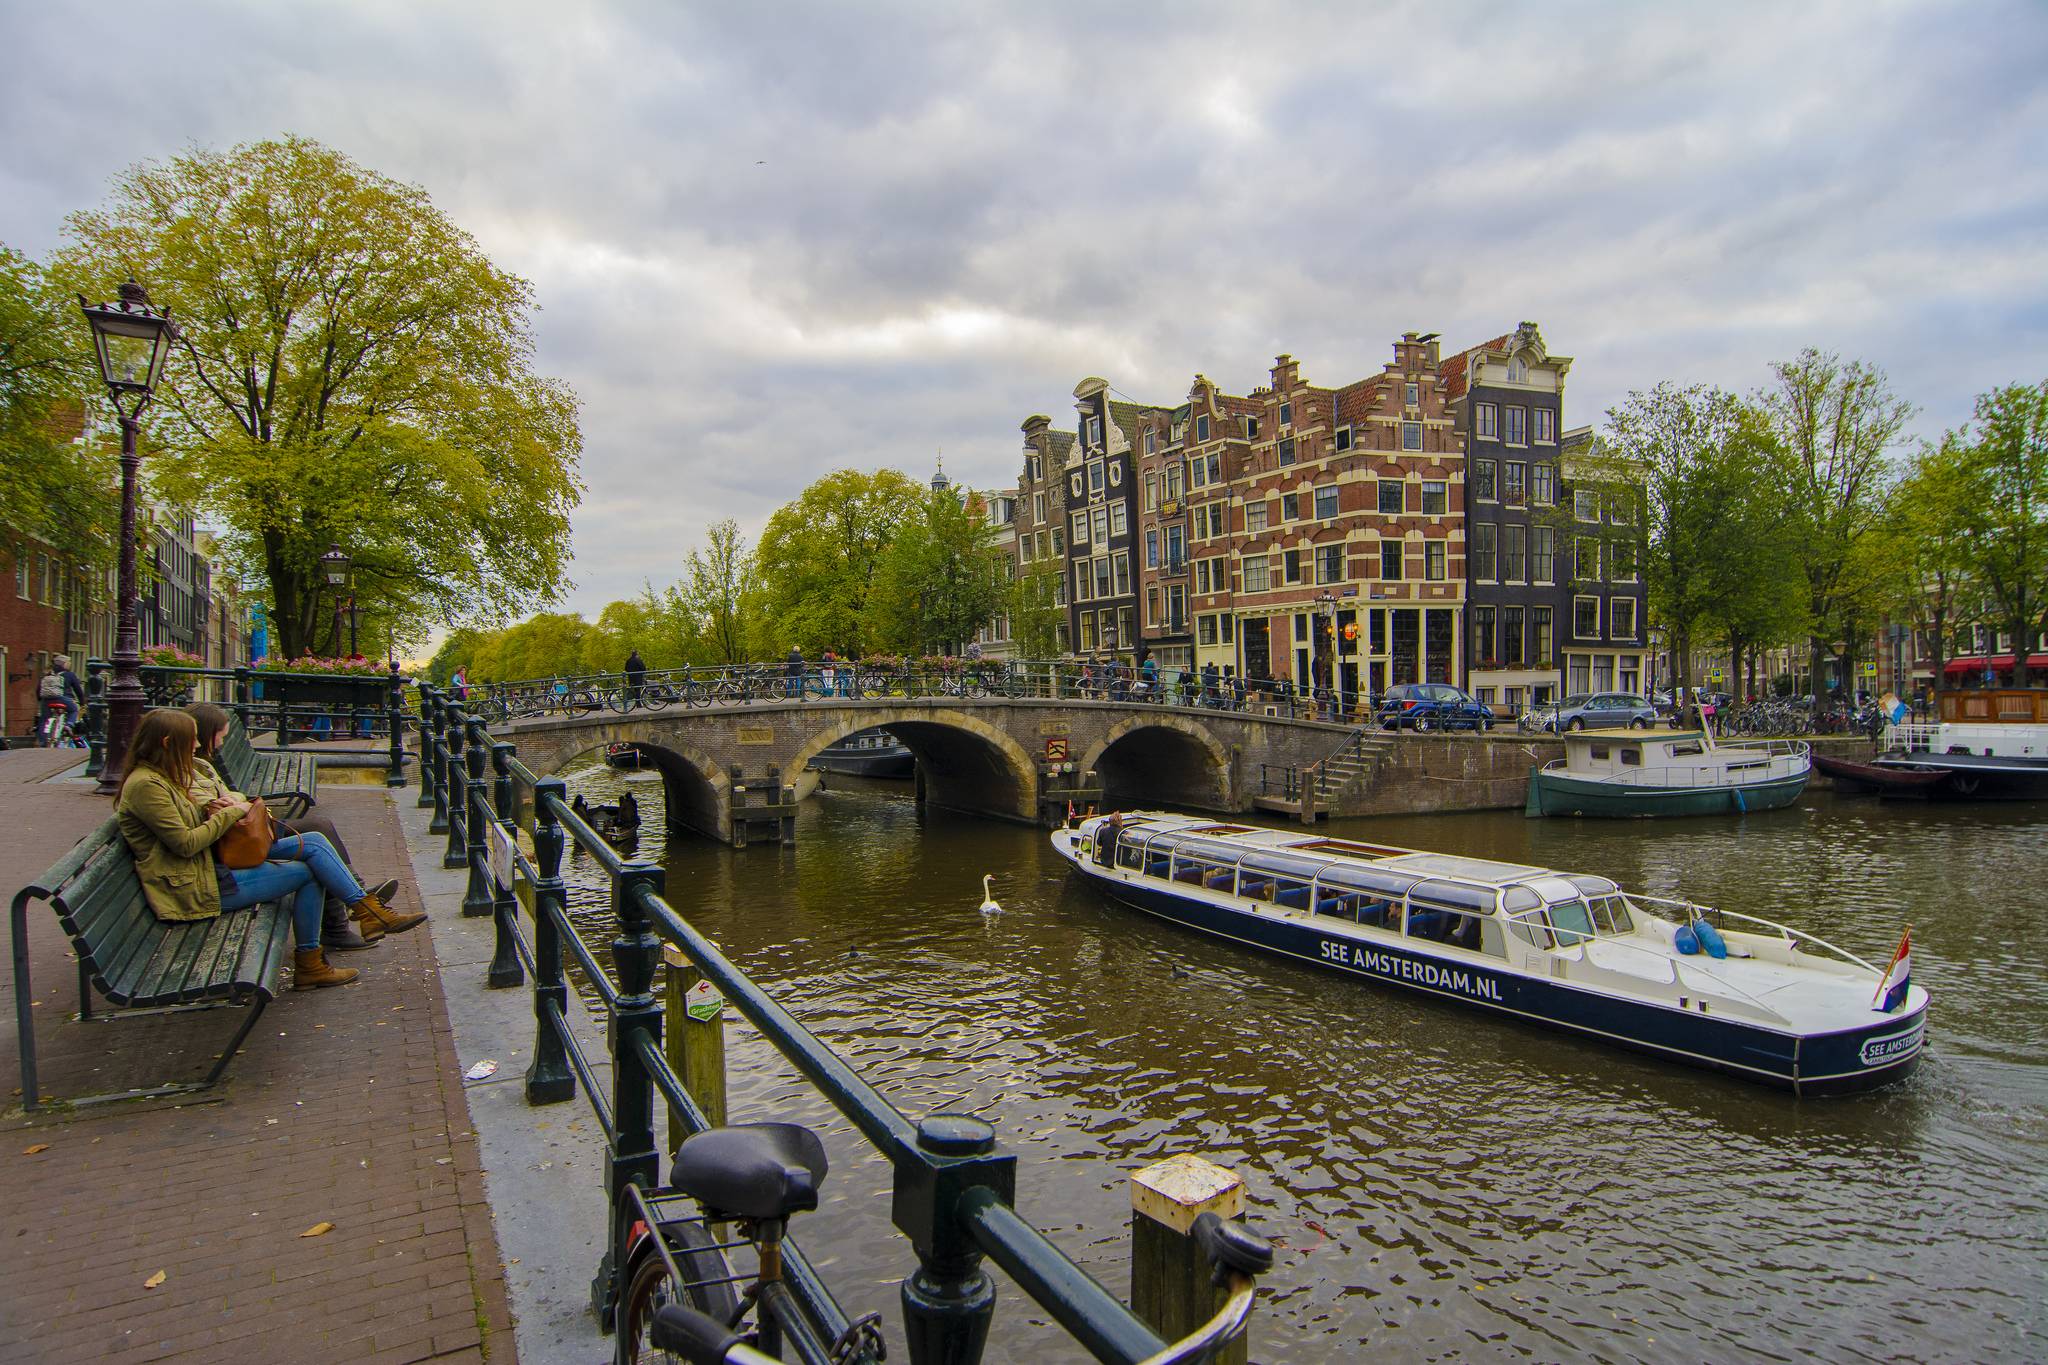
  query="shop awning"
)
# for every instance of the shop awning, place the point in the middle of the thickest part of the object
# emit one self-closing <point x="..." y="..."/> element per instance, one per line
<point x="1997" y="663"/>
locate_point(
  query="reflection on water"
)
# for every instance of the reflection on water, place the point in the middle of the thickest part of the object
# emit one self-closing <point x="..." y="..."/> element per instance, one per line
<point x="1447" y="1185"/>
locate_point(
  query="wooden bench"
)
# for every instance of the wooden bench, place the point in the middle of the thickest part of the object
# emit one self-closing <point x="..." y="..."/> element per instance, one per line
<point x="286" y="780"/>
<point x="137" y="961"/>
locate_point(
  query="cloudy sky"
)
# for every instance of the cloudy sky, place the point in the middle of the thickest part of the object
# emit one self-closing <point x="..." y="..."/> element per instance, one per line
<point x="772" y="239"/>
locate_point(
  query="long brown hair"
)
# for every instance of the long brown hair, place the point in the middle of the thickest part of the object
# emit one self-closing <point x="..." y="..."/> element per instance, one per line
<point x="165" y="741"/>
<point x="211" y="720"/>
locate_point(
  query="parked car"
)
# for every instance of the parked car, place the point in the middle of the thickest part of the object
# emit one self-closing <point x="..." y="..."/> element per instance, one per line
<point x="1600" y="711"/>
<point x="1433" y="706"/>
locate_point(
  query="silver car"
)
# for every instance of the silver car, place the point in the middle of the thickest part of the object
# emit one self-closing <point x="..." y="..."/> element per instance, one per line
<point x="1600" y="711"/>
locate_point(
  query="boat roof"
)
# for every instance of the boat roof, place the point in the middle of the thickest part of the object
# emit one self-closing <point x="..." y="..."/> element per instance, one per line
<point x="1632" y="736"/>
<point x="1375" y="866"/>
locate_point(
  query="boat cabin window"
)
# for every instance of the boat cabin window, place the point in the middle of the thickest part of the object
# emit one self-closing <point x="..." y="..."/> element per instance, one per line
<point x="1204" y="872"/>
<point x="1337" y="903"/>
<point x="1599" y="750"/>
<point x="1610" y="914"/>
<point x="1687" y="749"/>
<point x="1632" y="758"/>
<point x="1130" y="855"/>
<point x="1517" y="901"/>
<point x="1572" y="922"/>
<point x="1454" y="928"/>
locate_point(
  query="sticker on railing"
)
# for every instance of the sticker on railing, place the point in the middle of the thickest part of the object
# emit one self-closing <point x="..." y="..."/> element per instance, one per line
<point x="503" y="853"/>
<point x="702" y="1001"/>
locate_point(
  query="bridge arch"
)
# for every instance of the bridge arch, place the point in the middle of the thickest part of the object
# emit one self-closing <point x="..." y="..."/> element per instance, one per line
<point x="1159" y="757"/>
<point x="964" y="762"/>
<point x="693" y="783"/>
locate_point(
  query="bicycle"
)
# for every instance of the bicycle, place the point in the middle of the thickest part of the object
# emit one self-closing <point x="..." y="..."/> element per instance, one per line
<point x="760" y="1175"/>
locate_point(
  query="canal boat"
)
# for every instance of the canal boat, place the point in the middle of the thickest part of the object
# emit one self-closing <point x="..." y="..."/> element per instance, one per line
<point x="1869" y="779"/>
<point x="625" y="756"/>
<point x="869" y="753"/>
<point x="1988" y="746"/>
<point x="1566" y="950"/>
<point x="1645" y="773"/>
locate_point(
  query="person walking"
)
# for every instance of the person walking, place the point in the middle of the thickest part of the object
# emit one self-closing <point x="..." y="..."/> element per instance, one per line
<point x="636" y="677"/>
<point x="794" y="671"/>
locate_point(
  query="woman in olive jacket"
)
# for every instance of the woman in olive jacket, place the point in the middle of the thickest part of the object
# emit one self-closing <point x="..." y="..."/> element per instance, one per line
<point x="172" y="840"/>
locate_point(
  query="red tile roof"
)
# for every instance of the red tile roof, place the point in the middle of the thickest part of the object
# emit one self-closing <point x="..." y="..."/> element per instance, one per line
<point x="1455" y="368"/>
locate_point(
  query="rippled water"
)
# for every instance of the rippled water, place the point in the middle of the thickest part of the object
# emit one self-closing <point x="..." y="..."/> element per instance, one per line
<point x="1448" y="1186"/>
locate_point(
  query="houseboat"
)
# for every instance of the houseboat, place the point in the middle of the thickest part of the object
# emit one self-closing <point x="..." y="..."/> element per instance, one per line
<point x="1641" y="773"/>
<point x="1987" y="746"/>
<point x="869" y="753"/>
<point x="1569" y="951"/>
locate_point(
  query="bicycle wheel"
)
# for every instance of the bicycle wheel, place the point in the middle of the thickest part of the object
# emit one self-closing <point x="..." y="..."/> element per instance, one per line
<point x="649" y="1289"/>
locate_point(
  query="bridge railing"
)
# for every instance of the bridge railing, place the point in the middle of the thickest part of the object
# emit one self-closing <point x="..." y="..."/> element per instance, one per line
<point x="355" y="717"/>
<point x="953" y="1186"/>
<point x="868" y="680"/>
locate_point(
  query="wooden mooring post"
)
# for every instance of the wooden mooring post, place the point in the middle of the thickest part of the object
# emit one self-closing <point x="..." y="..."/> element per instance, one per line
<point x="1170" y="1286"/>
<point x="693" y="1036"/>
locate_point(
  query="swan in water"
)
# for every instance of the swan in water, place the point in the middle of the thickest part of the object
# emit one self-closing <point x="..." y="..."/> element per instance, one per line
<point x="988" y="901"/>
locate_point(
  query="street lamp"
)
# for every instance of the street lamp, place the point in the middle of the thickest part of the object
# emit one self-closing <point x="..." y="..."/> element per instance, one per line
<point x="334" y="567"/>
<point x="130" y="340"/>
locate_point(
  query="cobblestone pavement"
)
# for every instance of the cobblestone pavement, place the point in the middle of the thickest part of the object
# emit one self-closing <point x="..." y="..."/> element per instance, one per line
<point x="346" y="1107"/>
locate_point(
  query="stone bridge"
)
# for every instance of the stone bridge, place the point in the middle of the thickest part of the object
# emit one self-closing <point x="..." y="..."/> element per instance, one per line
<point x="735" y="769"/>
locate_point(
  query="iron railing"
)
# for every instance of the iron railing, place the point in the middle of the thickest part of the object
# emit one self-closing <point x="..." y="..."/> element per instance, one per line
<point x="366" y="709"/>
<point x="953" y="1186"/>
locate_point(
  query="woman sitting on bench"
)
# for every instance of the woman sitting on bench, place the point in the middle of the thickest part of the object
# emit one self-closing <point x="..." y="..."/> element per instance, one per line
<point x="172" y="838"/>
<point x="338" y="932"/>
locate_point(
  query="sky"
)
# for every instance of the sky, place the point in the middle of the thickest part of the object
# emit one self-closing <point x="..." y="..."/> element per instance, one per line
<point x="770" y="240"/>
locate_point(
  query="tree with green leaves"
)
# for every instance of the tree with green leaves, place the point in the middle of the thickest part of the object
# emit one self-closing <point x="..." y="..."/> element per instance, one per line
<point x="53" y="486"/>
<point x="2003" y="510"/>
<point x="1936" y="590"/>
<point x="1035" y="612"/>
<point x="719" y="592"/>
<point x="940" y="580"/>
<point x="354" y="371"/>
<point x="1837" y="427"/>
<point x="819" y="556"/>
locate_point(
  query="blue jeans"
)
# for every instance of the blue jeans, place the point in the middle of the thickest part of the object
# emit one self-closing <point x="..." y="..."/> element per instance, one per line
<point x="329" y="870"/>
<point x="274" y="881"/>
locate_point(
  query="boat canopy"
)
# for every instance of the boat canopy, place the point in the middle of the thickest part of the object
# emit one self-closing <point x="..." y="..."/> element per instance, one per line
<point x="1457" y="895"/>
<point x="1378" y="881"/>
<point x="1282" y="864"/>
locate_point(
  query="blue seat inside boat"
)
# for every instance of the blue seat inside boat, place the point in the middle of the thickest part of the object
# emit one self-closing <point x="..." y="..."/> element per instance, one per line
<point x="1294" y="897"/>
<point x="1426" y="924"/>
<point x="1155" y="866"/>
<point x="1220" y="879"/>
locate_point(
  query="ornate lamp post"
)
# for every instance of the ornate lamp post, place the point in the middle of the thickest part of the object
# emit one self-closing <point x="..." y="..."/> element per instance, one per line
<point x="130" y="340"/>
<point x="334" y="567"/>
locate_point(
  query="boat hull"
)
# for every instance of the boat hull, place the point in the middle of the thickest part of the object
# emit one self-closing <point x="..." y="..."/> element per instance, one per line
<point x="1972" y="777"/>
<point x="874" y="763"/>
<point x="1555" y="793"/>
<point x="1868" y="779"/>
<point x="1864" y="1058"/>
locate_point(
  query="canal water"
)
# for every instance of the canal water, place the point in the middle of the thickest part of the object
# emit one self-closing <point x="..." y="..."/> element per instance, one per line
<point x="1446" y="1186"/>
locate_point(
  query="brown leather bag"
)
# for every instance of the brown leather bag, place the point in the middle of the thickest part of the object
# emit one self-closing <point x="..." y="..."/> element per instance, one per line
<point x="247" y="842"/>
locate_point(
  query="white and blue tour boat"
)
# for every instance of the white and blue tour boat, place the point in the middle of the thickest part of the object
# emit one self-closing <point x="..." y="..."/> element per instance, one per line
<point x="1566" y="950"/>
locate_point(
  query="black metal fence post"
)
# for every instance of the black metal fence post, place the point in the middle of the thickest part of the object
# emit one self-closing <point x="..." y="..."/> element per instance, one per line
<point x="548" y="1080"/>
<point x="455" y="777"/>
<point x="476" y="813"/>
<point x="239" y="694"/>
<point x="395" y="713"/>
<point x="505" y="968"/>
<point x="426" y="732"/>
<point x="95" y="716"/>
<point x="949" y="1300"/>
<point x="434" y="755"/>
<point x="637" y="1016"/>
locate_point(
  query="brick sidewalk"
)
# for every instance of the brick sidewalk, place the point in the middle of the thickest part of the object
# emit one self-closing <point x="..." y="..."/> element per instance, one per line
<point x="345" y="1107"/>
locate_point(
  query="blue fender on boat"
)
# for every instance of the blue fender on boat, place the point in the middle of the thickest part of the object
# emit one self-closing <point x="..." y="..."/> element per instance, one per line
<point x="1740" y="805"/>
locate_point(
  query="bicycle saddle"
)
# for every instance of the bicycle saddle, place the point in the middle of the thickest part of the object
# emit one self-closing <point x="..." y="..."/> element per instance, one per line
<point x="752" y="1170"/>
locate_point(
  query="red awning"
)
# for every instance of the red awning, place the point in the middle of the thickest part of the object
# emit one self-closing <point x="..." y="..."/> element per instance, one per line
<point x="1998" y="663"/>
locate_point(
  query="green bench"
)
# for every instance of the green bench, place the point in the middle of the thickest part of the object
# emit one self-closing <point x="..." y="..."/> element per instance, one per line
<point x="137" y="961"/>
<point x="286" y="780"/>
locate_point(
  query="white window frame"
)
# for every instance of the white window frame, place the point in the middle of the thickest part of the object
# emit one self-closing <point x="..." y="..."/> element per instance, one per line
<point x="1411" y="435"/>
<point x="1578" y="634"/>
<point x="1615" y="629"/>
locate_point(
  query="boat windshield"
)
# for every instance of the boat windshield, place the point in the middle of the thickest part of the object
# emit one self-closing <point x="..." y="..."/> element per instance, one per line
<point x="1578" y="920"/>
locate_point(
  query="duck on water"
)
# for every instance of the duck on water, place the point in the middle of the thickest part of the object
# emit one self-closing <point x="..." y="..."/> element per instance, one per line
<point x="1566" y="950"/>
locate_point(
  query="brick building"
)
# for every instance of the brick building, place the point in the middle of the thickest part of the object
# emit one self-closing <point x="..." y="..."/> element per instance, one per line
<point x="1164" y="623"/>
<point x="1041" y="521"/>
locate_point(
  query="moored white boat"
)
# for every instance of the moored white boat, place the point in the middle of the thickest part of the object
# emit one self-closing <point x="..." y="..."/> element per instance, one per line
<point x="1566" y="950"/>
<point x="1643" y="772"/>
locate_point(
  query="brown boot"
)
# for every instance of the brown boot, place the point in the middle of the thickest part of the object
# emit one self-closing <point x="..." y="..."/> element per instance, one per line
<point x="311" y="968"/>
<point x="370" y="910"/>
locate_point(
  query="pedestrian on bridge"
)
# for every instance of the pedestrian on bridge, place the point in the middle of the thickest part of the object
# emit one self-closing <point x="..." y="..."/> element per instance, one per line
<point x="795" y="671"/>
<point x="636" y="677"/>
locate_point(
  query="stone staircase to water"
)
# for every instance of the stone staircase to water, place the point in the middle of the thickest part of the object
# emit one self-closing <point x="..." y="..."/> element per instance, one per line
<point x="1348" y="768"/>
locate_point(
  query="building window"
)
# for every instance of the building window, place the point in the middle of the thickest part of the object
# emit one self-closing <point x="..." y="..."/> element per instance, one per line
<point x="1586" y="566"/>
<point x="1543" y="484"/>
<point x="1515" y="490"/>
<point x="1177" y="606"/>
<point x="1411" y="394"/>
<point x="1515" y="430"/>
<point x="1433" y="561"/>
<point x="1485" y="548"/>
<point x="1486" y="420"/>
<point x="1411" y="435"/>
<point x="1621" y="561"/>
<point x="1255" y="514"/>
<point x="1290" y="565"/>
<point x="1098" y="522"/>
<point x="1119" y="521"/>
<point x="1326" y="502"/>
<point x="1544" y="570"/>
<point x="1095" y="484"/>
<point x="1586" y="505"/>
<point x="1120" y="567"/>
<point x="1511" y="637"/>
<point x="45" y="578"/>
<point x="1151" y="548"/>
<point x="1621" y="507"/>
<point x="20" y="572"/>
<point x="1151" y="442"/>
<point x="1391" y="498"/>
<point x="1329" y="564"/>
<point x="1482" y="481"/>
<point x="1201" y="428"/>
<point x="1295" y="505"/>
<point x="1080" y="531"/>
<point x="1546" y="426"/>
<point x="1081" y="593"/>
<point x="1205" y="628"/>
<point x="1087" y="631"/>
<point x="1586" y="618"/>
<point x="1176" y="549"/>
<point x="1436" y="499"/>
<point x="1621" y="617"/>
<point x="1286" y="450"/>
<point x="1513" y="544"/>
<point x="1101" y="563"/>
<point x="1116" y="473"/>
<point x="1080" y="489"/>
<point x="1539" y="635"/>
<point x="1058" y="541"/>
<point x="1094" y="433"/>
<point x="1390" y="559"/>
<point x="1483" y="645"/>
<point x="1257" y="574"/>
<point x="1286" y="414"/>
<point x="1343" y="438"/>
<point x="1151" y="492"/>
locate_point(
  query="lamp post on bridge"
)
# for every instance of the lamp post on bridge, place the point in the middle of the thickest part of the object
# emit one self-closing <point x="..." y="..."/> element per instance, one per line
<point x="334" y="567"/>
<point x="130" y="341"/>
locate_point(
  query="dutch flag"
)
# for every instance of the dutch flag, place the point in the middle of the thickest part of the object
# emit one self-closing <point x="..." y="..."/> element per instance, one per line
<point x="1891" y="990"/>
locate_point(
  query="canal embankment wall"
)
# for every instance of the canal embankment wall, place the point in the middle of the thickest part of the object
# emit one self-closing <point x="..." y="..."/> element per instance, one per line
<point x="1421" y="774"/>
